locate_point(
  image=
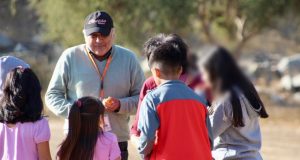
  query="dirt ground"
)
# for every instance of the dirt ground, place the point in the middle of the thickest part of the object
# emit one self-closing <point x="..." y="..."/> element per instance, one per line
<point x="281" y="134"/>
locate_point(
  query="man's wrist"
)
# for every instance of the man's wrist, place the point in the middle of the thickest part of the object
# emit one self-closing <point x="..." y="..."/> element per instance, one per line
<point x="119" y="107"/>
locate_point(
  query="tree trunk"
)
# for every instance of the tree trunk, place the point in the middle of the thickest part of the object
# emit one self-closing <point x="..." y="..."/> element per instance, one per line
<point x="202" y="9"/>
<point x="241" y="44"/>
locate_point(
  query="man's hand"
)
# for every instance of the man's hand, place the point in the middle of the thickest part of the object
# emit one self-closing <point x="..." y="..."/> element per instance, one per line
<point x="111" y="104"/>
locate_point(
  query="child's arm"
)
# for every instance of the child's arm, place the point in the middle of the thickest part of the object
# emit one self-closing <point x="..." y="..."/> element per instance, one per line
<point x="220" y="119"/>
<point x="148" y="124"/>
<point x="44" y="151"/>
<point x="41" y="138"/>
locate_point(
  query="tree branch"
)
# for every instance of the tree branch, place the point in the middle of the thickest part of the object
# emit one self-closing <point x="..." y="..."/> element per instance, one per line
<point x="206" y="26"/>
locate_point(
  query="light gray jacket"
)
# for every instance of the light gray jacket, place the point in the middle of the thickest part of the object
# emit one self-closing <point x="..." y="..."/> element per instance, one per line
<point x="242" y="143"/>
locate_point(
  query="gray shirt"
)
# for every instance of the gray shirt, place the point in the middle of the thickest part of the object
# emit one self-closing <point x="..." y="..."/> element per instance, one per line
<point x="74" y="77"/>
<point x="242" y="143"/>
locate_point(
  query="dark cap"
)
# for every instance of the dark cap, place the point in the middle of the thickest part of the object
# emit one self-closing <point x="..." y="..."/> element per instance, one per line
<point x="98" y="21"/>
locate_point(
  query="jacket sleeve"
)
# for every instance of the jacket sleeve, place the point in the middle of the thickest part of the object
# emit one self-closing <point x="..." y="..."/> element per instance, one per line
<point x="220" y="119"/>
<point x="148" y="124"/>
<point x="134" y="129"/>
<point x="56" y="96"/>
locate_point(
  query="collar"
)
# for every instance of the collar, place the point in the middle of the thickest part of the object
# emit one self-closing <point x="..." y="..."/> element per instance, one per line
<point x="172" y="82"/>
<point x="101" y="58"/>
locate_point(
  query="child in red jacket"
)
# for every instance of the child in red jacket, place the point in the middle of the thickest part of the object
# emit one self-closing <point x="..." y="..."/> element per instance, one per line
<point x="173" y="118"/>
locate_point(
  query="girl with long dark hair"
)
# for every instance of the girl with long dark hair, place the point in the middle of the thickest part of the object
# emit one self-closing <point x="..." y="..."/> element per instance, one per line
<point x="24" y="132"/>
<point x="86" y="138"/>
<point x="236" y="107"/>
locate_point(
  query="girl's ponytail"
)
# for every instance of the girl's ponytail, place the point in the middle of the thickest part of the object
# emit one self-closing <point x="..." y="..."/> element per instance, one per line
<point x="73" y="136"/>
<point x="84" y="130"/>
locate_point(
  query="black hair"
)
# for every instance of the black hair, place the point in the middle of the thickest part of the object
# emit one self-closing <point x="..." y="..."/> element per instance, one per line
<point x="168" y="57"/>
<point x="152" y="43"/>
<point x="173" y="39"/>
<point x="21" y="100"/>
<point x="84" y="129"/>
<point x="225" y="75"/>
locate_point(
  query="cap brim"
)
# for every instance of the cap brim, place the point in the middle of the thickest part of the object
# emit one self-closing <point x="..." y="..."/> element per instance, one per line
<point x="103" y="31"/>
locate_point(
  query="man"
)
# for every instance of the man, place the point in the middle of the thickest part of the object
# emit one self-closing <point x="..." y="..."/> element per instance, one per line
<point x="7" y="63"/>
<point x="100" y="69"/>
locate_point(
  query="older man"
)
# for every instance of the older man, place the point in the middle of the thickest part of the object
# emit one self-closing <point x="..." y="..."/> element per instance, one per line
<point x="100" y="69"/>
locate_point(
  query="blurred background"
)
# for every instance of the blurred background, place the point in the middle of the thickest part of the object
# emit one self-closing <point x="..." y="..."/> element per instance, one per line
<point x="264" y="35"/>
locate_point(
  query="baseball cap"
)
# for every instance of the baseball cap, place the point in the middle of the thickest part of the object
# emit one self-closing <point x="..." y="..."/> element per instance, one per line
<point x="98" y="21"/>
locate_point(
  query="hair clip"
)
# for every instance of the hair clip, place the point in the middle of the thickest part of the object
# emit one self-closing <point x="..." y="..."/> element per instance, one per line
<point x="78" y="103"/>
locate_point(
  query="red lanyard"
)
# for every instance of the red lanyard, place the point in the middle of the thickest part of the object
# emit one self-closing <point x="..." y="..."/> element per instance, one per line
<point x="101" y="76"/>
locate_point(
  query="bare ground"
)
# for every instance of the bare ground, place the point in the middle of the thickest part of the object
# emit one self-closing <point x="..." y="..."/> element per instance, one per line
<point x="281" y="135"/>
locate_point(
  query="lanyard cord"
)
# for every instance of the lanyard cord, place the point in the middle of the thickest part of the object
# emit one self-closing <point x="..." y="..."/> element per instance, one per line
<point x="101" y="76"/>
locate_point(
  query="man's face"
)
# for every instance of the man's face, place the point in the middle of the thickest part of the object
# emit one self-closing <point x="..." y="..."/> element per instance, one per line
<point x="99" y="43"/>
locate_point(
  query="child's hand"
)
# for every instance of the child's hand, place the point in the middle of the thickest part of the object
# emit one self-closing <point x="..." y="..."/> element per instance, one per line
<point x="111" y="104"/>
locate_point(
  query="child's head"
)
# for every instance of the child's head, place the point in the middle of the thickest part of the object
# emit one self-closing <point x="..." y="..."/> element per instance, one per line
<point x="219" y="69"/>
<point x="165" y="62"/>
<point x="160" y="39"/>
<point x="85" y="118"/>
<point x="152" y="43"/>
<point x="85" y="115"/>
<point x="21" y="100"/>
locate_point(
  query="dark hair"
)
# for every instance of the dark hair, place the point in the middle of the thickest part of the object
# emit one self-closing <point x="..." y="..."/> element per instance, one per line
<point x="225" y="75"/>
<point x="21" y="100"/>
<point x="167" y="56"/>
<point x="84" y="129"/>
<point x="173" y="39"/>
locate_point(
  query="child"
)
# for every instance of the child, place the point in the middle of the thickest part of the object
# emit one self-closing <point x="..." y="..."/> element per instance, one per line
<point x="173" y="120"/>
<point x="86" y="139"/>
<point x="187" y="76"/>
<point x="235" y="110"/>
<point x="24" y="133"/>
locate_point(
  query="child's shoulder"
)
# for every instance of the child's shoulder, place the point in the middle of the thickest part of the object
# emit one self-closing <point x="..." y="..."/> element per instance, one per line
<point x="174" y="90"/>
<point x="150" y="82"/>
<point x="40" y="125"/>
<point x="108" y="137"/>
<point x="41" y="122"/>
<point x="151" y="94"/>
<point x="109" y="134"/>
<point x="148" y="85"/>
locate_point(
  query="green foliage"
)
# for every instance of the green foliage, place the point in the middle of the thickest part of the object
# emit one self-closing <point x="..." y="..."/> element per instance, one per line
<point x="64" y="19"/>
<point x="135" y="20"/>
